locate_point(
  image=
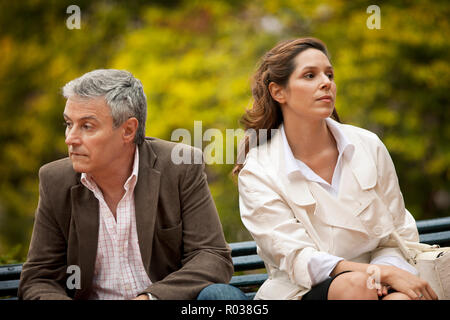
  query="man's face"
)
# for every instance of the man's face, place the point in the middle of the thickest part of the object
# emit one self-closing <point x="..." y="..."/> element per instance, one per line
<point x="92" y="141"/>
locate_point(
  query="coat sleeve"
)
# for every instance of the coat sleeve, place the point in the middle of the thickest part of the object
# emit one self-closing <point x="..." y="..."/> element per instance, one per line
<point x="282" y="240"/>
<point x="43" y="274"/>
<point x="206" y="255"/>
<point x="389" y="190"/>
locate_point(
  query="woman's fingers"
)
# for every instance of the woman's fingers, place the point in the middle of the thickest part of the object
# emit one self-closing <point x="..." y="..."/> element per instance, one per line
<point x="384" y="290"/>
<point x="426" y="292"/>
<point x="426" y="295"/>
<point x="420" y="296"/>
<point x="412" y="294"/>
<point x="431" y="293"/>
<point x="411" y="285"/>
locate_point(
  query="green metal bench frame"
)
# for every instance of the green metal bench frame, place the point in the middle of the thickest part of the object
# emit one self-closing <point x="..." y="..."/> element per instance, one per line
<point x="249" y="269"/>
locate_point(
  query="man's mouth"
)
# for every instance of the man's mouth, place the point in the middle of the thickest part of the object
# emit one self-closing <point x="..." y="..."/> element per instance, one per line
<point x="76" y="154"/>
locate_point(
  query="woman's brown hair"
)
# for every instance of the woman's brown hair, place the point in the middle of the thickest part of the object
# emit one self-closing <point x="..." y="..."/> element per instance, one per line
<point x="276" y="66"/>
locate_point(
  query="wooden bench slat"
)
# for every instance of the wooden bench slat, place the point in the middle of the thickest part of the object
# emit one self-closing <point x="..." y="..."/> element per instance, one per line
<point x="248" y="280"/>
<point x="433" y="225"/>
<point x="424" y="226"/>
<point x="441" y="238"/>
<point x="10" y="272"/>
<point x="244" y="248"/>
<point x="9" y="287"/>
<point x="247" y="262"/>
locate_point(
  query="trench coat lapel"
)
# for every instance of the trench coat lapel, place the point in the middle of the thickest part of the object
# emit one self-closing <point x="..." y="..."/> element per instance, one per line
<point x="299" y="196"/>
<point x="302" y="204"/>
<point x="362" y="164"/>
<point x="85" y="211"/>
<point x="146" y="194"/>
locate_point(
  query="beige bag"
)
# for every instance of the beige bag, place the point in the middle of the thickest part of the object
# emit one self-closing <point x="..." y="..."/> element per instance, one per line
<point x="432" y="262"/>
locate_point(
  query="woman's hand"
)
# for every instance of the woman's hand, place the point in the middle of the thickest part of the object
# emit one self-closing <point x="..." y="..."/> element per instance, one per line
<point x="405" y="282"/>
<point x="383" y="290"/>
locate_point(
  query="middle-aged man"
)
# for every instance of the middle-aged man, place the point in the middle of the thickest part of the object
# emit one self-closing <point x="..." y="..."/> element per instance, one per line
<point x="118" y="213"/>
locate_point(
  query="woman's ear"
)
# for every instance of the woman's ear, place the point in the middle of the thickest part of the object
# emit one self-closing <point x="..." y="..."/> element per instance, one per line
<point x="130" y="129"/>
<point x="277" y="92"/>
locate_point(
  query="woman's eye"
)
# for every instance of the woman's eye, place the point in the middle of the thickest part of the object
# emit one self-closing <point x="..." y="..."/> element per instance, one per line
<point x="67" y="124"/>
<point x="331" y="76"/>
<point x="87" y="126"/>
<point x="309" y="76"/>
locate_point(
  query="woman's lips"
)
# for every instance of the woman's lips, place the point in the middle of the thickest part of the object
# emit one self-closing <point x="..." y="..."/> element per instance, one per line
<point x="325" y="99"/>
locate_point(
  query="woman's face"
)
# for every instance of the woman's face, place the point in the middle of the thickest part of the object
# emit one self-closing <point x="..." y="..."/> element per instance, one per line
<point x="311" y="91"/>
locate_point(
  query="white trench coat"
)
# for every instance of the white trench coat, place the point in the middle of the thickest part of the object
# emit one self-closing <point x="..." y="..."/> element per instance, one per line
<point x="292" y="219"/>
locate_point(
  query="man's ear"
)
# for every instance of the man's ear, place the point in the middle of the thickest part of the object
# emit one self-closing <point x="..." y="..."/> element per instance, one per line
<point x="130" y="127"/>
<point x="277" y="92"/>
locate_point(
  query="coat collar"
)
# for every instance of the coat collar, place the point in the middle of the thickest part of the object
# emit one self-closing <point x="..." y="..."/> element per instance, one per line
<point x="360" y="161"/>
<point x="344" y="146"/>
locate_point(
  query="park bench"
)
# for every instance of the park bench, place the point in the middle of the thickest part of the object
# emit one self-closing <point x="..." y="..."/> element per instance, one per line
<point x="249" y="269"/>
<point x="246" y="260"/>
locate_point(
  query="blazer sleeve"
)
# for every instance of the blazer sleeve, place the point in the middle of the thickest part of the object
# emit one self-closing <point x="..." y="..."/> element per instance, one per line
<point x="282" y="240"/>
<point x="206" y="255"/>
<point x="44" y="272"/>
<point x="389" y="190"/>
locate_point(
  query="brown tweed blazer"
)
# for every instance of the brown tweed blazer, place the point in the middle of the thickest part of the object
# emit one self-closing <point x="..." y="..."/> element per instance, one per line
<point x="180" y="235"/>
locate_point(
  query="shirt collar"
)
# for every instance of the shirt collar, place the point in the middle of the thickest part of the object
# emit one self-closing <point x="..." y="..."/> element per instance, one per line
<point x="342" y="143"/>
<point x="341" y="140"/>
<point x="89" y="182"/>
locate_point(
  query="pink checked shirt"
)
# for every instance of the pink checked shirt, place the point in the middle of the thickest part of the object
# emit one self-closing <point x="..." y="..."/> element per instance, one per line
<point x="119" y="272"/>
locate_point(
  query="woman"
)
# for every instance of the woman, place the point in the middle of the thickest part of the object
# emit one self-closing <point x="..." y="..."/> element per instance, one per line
<point x="319" y="197"/>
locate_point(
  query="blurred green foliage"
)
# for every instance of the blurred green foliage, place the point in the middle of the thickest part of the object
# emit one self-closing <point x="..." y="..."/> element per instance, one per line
<point x="195" y="59"/>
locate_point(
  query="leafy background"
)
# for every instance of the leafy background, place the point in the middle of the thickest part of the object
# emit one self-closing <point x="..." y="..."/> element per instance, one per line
<point x="195" y="59"/>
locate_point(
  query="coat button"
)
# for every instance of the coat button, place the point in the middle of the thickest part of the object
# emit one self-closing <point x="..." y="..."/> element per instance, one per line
<point x="378" y="230"/>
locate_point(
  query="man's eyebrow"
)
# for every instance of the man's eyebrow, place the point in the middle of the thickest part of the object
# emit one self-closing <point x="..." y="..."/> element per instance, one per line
<point x="82" y="118"/>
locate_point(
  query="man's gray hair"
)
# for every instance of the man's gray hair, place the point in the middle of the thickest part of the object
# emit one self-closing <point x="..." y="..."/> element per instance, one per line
<point x="123" y="93"/>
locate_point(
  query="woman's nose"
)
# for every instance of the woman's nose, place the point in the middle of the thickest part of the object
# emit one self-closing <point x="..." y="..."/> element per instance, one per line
<point x="326" y="82"/>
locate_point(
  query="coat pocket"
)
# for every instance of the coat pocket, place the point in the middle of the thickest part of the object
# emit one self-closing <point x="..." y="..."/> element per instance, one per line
<point x="376" y="218"/>
<point x="168" y="245"/>
<point x="171" y="236"/>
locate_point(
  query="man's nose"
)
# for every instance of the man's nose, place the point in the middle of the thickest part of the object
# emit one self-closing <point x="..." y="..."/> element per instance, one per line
<point x="72" y="137"/>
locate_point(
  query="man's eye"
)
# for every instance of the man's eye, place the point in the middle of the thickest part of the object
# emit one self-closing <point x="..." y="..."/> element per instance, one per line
<point x="86" y="126"/>
<point x="67" y="124"/>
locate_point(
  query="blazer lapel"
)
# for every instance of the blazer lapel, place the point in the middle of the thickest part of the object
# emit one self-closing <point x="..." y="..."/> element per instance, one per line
<point x="146" y="194"/>
<point x="85" y="211"/>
